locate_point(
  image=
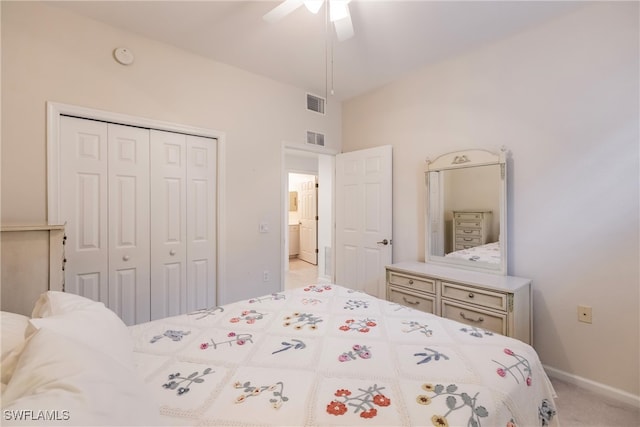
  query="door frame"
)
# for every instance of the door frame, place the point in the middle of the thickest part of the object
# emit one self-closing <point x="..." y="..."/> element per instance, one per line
<point x="56" y="110"/>
<point x="304" y="150"/>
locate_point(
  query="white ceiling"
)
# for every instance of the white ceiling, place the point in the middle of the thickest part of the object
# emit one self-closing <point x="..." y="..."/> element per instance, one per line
<point x="392" y="37"/>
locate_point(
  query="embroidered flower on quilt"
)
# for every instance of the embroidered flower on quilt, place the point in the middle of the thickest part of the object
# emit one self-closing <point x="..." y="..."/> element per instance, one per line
<point x="300" y="320"/>
<point x="317" y="288"/>
<point x="294" y="344"/>
<point x="176" y="380"/>
<point x="361" y="351"/>
<point x="272" y="297"/>
<point x="414" y="326"/>
<point x="249" y="316"/>
<point x="476" y="332"/>
<point x="456" y="400"/>
<point x="354" y="304"/>
<point x="519" y="369"/>
<point x="439" y="421"/>
<point x="361" y="325"/>
<point x="546" y="412"/>
<point x="277" y="397"/>
<point x="364" y="403"/>
<point x="238" y="339"/>
<point x="423" y="399"/>
<point x="336" y="408"/>
<point x="430" y="355"/>
<point x="206" y="312"/>
<point x="171" y="334"/>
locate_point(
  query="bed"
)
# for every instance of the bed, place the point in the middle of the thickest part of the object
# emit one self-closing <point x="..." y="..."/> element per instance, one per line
<point x="322" y="355"/>
<point x="488" y="253"/>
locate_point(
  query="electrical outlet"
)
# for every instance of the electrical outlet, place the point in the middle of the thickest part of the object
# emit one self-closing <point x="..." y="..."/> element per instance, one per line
<point x="265" y="276"/>
<point x="584" y="314"/>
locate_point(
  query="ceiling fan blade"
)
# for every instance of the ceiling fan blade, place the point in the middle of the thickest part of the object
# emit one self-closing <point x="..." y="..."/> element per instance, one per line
<point x="282" y="10"/>
<point x="344" y="28"/>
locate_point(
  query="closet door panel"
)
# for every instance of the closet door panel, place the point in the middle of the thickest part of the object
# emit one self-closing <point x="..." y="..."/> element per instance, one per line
<point x="83" y="192"/>
<point x="129" y="259"/>
<point x="201" y="222"/>
<point x="168" y="224"/>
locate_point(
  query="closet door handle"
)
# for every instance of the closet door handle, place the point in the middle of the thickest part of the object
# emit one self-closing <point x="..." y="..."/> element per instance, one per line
<point x="126" y="258"/>
<point x="172" y="252"/>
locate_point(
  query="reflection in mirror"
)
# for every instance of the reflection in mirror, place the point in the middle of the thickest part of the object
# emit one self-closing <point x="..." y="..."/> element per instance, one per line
<point x="293" y="201"/>
<point x="466" y="209"/>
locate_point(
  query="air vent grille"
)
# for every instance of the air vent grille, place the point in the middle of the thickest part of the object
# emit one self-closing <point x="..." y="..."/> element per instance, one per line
<point x="315" y="138"/>
<point x="315" y="103"/>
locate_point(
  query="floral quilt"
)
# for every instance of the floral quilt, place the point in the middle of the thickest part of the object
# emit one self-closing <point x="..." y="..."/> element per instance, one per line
<point x="325" y="355"/>
<point x="489" y="253"/>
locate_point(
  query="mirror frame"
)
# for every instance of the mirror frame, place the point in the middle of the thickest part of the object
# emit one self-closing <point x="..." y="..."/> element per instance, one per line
<point x="467" y="159"/>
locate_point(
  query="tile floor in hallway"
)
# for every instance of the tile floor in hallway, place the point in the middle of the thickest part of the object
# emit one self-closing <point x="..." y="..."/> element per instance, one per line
<point x="301" y="273"/>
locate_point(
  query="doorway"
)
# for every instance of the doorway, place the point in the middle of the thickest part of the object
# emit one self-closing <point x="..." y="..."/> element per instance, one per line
<point x="316" y="265"/>
<point x="303" y="217"/>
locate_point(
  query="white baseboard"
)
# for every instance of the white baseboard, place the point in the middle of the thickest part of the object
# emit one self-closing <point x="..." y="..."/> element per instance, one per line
<point x="613" y="393"/>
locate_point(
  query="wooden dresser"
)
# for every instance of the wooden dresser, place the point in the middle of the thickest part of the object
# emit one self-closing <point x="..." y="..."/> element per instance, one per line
<point x="471" y="228"/>
<point x="491" y="302"/>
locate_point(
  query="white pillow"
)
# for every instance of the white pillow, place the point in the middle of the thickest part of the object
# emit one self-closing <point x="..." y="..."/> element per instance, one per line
<point x="13" y="327"/>
<point x="54" y="302"/>
<point x="78" y="318"/>
<point x="94" y="325"/>
<point x="75" y="384"/>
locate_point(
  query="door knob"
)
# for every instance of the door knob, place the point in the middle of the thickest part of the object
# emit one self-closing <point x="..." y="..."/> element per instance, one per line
<point x="384" y="242"/>
<point x="172" y="252"/>
<point x="125" y="258"/>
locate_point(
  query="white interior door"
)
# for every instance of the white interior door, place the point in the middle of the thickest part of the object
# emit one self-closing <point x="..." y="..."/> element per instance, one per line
<point x="363" y="218"/>
<point x="201" y="222"/>
<point x="168" y="224"/>
<point x="309" y="220"/>
<point x="128" y="220"/>
<point x="83" y="195"/>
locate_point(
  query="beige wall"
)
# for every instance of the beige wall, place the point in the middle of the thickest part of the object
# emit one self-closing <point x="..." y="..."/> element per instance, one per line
<point x="49" y="54"/>
<point x="563" y="97"/>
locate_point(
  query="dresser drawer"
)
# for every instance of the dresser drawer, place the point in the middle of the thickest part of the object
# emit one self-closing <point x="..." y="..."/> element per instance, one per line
<point x="461" y="246"/>
<point x="413" y="282"/>
<point x="468" y="223"/>
<point x="468" y="232"/>
<point x="471" y="316"/>
<point x="468" y="215"/>
<point x="470" y="295"/>
<point x="467" y="240"/>
<point x="424" y="303"/>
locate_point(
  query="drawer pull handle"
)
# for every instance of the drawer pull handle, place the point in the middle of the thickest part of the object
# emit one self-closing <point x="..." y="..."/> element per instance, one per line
<point x="467" y="239"/>
<point x="467" y="231"/>
<point x="410" y="302"/>
<point x="471" y="295"/>
<point x="410" y="281"/>
<point x="468" y="319"/>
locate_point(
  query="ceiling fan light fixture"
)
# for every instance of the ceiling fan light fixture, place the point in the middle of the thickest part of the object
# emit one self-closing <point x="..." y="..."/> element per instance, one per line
<point x="339" y="9"/>
<point x="313" y="5"/>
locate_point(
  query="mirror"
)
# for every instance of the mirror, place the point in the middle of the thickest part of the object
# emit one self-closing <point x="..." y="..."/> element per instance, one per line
<point x="466" y="210"/>
<point x="293" y="201"/>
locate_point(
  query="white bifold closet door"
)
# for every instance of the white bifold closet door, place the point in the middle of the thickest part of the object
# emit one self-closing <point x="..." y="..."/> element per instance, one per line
<point x="105" y="203"/>
<point x="183" y="222"/>
<point x="140" y="211"/>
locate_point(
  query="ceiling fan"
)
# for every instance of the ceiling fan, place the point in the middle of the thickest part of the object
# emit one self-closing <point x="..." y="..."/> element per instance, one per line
<point x="338" y="14"/>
